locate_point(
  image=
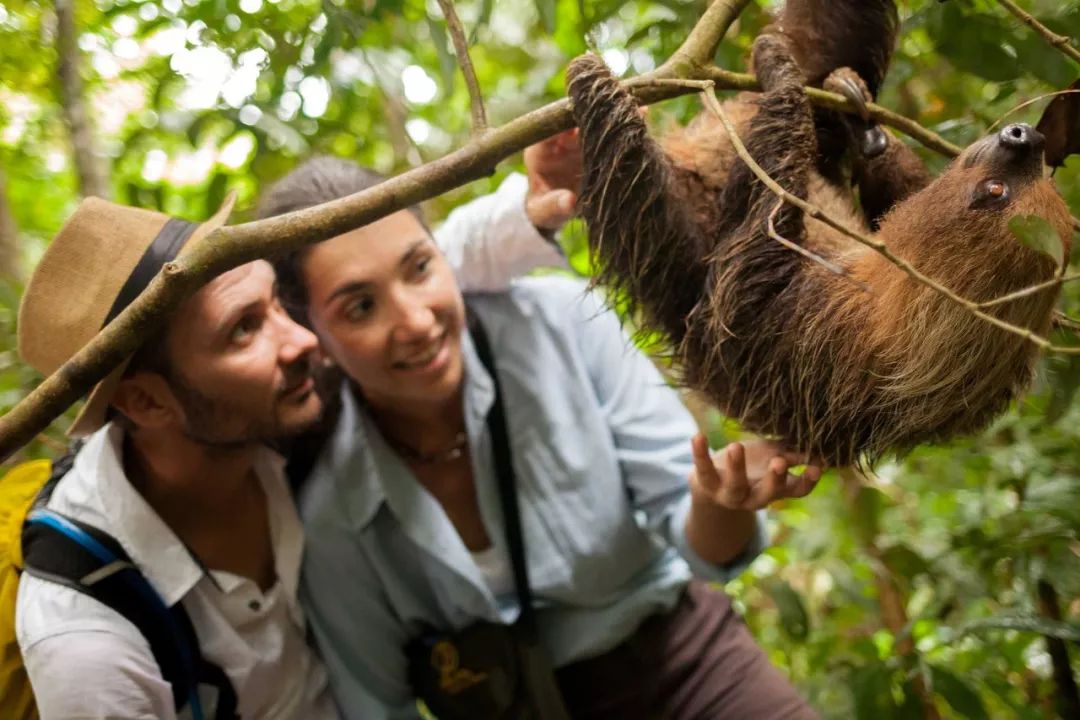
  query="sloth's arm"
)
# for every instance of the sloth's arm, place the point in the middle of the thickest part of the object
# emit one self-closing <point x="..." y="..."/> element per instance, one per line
<point x="889" y="178"/>
<point x="634" y="200"/>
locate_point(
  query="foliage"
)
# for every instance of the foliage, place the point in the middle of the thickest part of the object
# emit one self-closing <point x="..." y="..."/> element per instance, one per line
<point x="195" y="97"/>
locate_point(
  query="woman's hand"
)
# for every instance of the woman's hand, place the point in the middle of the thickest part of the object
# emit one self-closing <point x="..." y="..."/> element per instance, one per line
<point x="554" y="170"/>
<point x="748" y="476"/>
<point x="726" y="488"/>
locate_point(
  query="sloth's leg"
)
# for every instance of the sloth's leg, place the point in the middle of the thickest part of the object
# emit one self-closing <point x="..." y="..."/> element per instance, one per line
<point x="830" y="34"/>
<point x="634" y="200"/>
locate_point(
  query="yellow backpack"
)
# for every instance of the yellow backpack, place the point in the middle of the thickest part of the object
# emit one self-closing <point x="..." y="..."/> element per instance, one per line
<point x="47" y="544"/>
<point x="18" y="489"/>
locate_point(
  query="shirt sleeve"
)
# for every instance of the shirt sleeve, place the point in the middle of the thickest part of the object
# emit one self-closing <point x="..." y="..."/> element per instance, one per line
<point x="115" y="678"/>
<point x="490" y="241"/>
<point x="651" y="430"/>
<point x="359" y="637"/>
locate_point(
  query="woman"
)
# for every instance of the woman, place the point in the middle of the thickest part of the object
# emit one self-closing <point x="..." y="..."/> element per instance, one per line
<point x="405" y="530"/>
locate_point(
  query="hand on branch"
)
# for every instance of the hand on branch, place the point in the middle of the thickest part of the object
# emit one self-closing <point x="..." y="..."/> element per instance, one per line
<point x="554" y="170"/>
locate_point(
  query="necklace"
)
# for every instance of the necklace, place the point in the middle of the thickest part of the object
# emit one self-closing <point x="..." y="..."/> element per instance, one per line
<point x="455" y="451"/>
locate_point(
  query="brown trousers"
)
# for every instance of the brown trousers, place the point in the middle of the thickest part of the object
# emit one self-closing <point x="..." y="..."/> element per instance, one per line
<point x="698" y="662"/>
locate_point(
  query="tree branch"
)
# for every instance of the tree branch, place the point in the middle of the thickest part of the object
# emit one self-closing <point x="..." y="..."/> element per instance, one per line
<point x="1061" y="42"/>
<point x="815" y="212"/>
<point x="235" y="245"/>
<point x="461" y="49"/>
<point x="87" y="162"/>
<point x="699" y="48"/>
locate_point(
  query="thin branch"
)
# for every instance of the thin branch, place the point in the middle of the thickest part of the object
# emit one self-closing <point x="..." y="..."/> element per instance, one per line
<point x="727" y="80"/>
<point x="1031" y="290"/>
<point x="813" y="257"/>
<point x="879" y="247"/>
<point x="699" y="48"/>
<point x="1061" y="42"/>
<point x="1063" y="321"/>
<point x="235" y="245"/>
<point x="461" y="49"/>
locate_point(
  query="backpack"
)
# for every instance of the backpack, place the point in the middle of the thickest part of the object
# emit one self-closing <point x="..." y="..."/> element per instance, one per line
<point x="54" y="547"/>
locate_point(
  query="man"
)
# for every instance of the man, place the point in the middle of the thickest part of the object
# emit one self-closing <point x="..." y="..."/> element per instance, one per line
<point x="181" y="476"/>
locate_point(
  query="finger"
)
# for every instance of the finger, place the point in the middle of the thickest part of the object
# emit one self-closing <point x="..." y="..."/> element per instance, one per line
<point x="705" y="474"/>
<point x="736" y="488"/>
<point x="770" y="486"/>
<point x="551" y="210"/>
<point x="798" y="486"/>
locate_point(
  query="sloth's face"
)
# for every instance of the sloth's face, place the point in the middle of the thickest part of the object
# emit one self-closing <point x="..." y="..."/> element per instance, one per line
<point x="1008" y="162"/>
<point x="964" y="215"/>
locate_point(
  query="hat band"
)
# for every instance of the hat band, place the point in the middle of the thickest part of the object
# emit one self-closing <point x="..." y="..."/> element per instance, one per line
<point x="165" y="247"/>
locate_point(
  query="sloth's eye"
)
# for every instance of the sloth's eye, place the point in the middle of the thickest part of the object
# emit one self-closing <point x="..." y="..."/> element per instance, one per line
<point x="991" y="193"/>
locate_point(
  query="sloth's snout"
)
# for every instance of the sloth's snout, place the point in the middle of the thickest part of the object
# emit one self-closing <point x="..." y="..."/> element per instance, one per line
<point x="1021" y="137"/>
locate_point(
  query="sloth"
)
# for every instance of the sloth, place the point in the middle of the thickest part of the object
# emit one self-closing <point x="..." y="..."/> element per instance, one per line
<point x="845" y="366"/>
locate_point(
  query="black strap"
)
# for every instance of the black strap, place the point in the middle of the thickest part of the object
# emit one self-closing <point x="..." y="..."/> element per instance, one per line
<point x="164" y="248"/>
<point x="504" y="469"/>
<point x="52" y="555"/>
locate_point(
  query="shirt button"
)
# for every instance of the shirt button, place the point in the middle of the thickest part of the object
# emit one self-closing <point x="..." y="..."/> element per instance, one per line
<point x="254" y="605"/>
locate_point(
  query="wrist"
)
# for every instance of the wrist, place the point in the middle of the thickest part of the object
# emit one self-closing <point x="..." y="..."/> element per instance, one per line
<point x="718" y="534"/>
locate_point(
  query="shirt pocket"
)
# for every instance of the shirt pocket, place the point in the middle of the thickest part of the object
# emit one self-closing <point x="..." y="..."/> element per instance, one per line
<point x="575" y="504"/>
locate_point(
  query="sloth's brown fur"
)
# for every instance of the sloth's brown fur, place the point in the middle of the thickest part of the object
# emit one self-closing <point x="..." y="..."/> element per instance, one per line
<point x="778" y="342"/>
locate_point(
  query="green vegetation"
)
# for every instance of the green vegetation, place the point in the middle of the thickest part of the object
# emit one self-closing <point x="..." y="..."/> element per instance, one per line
<point x="932" y="589"/>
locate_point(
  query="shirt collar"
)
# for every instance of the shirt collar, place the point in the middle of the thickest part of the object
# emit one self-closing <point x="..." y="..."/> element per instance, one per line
<point x="99" y="479"/>
<point x="363" y="466"/>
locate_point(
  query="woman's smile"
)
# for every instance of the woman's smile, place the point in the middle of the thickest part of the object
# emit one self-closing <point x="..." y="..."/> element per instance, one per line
<point x="432" y="358"/>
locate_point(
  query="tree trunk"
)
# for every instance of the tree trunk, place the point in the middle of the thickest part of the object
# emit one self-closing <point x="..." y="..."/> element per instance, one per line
<point x="87" y="162"/>
<point x="1067" y="697"/>
<point x="10" y="268"/>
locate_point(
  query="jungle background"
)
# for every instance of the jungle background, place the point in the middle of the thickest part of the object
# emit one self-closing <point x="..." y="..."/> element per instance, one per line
<point x="948" y="585"/>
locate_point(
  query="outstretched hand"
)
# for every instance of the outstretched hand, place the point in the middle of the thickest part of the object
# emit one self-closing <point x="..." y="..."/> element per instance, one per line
<point x="554" y="170"/>
<point x="750" y="475"/>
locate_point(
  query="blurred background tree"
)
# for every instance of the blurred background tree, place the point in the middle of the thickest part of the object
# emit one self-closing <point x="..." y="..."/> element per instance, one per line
<point x="946" y="586"/>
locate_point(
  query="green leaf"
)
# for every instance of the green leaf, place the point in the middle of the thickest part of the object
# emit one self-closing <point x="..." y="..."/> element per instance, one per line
<point x="482" y="19"/>
<point x="447" y="61"/>
<point x="1037" y="233"/>
<point x="871" y="690"/>
<point x="965" y="701"/>
<point x="548" y="12"/>
<point x="867" y="512"/>
<point x="793" y="616"/>
<point x="1049" y="628"/>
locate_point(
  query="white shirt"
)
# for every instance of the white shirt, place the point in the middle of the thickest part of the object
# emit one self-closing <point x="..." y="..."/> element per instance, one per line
<point x="257" y="638"/>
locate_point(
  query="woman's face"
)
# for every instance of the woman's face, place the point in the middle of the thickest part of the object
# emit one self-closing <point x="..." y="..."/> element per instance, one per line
<point x="387" y="309"/>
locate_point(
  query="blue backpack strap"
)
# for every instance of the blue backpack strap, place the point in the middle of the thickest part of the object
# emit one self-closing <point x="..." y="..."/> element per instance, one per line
<point x="64" y="550"/>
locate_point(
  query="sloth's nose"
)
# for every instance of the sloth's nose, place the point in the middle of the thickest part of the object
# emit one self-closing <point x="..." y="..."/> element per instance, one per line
<point x="1021" y="137"/>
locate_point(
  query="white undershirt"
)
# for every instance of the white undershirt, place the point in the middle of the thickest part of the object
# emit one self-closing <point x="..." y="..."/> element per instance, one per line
<point x="496" y="570"/>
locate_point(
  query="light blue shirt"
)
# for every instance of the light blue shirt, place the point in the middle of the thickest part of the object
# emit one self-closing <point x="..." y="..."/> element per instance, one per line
<point x="601" y="449"/>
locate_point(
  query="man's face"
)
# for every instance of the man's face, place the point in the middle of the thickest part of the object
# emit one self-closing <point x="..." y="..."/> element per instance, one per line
<point x="240" y="367"/>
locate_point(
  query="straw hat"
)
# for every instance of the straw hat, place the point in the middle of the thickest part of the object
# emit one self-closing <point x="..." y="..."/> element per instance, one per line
<point x="103" y="257"/>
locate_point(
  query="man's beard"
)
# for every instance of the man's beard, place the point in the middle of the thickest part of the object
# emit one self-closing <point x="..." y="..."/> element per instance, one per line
<point x="216" y="423"/>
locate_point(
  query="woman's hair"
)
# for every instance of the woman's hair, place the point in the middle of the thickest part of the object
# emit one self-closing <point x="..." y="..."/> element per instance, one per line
<point x="316" y="181"/>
